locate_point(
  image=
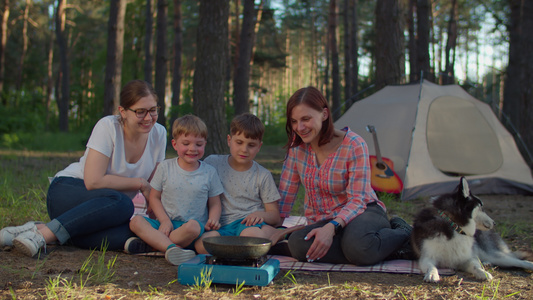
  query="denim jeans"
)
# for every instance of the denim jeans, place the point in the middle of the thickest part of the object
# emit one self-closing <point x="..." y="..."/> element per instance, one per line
<point x="366" y="240"/>
<point x="88" y="218"/>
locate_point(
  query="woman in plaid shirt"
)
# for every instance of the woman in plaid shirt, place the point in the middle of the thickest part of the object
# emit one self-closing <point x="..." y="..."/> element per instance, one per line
<point x="347" y="222"/>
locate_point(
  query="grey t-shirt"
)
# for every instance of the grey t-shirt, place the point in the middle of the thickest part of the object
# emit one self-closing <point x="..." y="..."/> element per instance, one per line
<point x="244" y="192"/>
<point x="184" y="194"/>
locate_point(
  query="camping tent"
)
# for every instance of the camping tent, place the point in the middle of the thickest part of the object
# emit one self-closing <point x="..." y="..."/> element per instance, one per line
<point x="433" y="134"/>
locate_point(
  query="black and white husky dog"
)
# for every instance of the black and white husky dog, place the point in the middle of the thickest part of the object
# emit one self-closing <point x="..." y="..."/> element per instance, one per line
<point x="456" y="233"/>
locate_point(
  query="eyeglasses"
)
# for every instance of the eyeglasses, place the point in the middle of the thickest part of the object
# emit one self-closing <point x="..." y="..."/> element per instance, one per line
<point x="141" y="112"/>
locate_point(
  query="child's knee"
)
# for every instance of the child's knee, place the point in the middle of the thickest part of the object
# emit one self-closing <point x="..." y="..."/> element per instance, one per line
<point x="252" y="231"/>
<point x="136" y="222"/>
<point x="193" y="227"/>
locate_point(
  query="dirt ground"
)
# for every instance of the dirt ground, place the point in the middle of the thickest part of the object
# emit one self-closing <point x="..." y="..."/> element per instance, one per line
<point x="138" y="277"/>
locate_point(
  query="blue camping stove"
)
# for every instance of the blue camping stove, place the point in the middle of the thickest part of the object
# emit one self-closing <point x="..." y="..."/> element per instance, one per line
<point x="258" y="272"/>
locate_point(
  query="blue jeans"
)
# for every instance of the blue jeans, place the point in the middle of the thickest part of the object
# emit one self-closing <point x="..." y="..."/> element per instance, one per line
<point x="88" y="218"/>
<point x="366" y="240"/>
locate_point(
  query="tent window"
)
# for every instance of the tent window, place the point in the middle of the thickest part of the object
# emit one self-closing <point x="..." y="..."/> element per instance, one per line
<point x="460" y="140"/>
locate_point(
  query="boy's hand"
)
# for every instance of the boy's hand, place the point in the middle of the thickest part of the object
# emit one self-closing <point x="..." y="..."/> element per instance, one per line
<point x="253" y="219"/>
<point x="150" y="213"/>
<point x="166" y="227"/>
<point x="212" y="225"/>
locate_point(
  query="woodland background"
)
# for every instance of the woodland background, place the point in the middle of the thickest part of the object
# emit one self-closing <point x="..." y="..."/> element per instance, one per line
<point x="63" y="62"/>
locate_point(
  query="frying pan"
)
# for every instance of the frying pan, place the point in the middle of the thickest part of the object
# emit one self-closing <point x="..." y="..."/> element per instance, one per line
<point x="237" y="247"/>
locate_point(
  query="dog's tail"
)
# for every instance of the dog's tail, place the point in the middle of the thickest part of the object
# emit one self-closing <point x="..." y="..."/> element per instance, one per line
<point x="523" y="255"/>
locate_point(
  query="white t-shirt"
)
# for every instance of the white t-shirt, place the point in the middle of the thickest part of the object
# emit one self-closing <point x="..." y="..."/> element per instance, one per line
<point x="244" y="192"/>
<point x="184" y="194"/>
<point x="107" y="138"/>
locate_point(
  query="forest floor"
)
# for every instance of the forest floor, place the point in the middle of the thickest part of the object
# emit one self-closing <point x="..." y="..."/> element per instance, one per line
<point x="60" y="273"/>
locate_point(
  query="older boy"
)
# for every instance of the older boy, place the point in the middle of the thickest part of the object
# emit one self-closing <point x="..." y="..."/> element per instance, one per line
<point x="250" y="198"/>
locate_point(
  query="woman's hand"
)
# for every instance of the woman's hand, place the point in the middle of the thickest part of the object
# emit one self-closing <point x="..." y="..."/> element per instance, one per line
<point x="323" y="240"/>
<point x="145" y="187"/>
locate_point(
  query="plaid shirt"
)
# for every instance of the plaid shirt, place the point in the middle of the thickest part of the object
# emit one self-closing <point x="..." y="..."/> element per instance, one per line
<point x="340" y="187"/>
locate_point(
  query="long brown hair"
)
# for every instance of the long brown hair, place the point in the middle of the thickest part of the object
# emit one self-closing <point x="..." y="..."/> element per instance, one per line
<point x="313" y="98"/>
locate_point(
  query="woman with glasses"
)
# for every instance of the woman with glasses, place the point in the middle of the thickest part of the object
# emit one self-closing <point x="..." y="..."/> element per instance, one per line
<point x="90" y="202"/>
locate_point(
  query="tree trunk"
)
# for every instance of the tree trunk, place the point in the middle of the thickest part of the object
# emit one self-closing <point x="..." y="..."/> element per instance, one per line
<point x="451" y="46"/>
<point x="347" y="50"/>
<point x="526" y="128"/>
<point x="208" y="82"/>
<point x="335" y="80"/>
<point x="388" y="43"/>
<point x="354" y="68"/>
<point x="237" y="38"/>
<point x="49" y="77"/>
<point x="24" y="49"/>
<point x="413" y="73"/>
<point x="3" y="43"/>
<point x="256" y="29"/>
<point x="511" y="104"/>
<point x="300" y="56"/>
<point x="434" y="47"/>
<point x="115" y="49"/>
<point x="241" y="82"/>
<point x="518" y="97"/>
<point x="350" y="55"/>
<point x="313" y="44"/>
<point x="148" y="45"/>
<point x="422" y="45"/>
<point x="328" y="62"/>
<point x="176" y="72"/>
<point x="288" y="63"/>
<point x="161" y="58"/>
<point x="63" y="101"/>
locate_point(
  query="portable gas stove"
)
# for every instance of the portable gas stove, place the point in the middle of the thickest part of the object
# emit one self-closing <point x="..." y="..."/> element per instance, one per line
<point x="228" y="271"/>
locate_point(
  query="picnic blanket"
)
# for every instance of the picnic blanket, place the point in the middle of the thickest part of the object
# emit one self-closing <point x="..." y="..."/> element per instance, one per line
<point x="399" y="266"/>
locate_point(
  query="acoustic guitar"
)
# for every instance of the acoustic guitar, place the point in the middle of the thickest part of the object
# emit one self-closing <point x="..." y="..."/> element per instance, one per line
<point x="383" y="177"/>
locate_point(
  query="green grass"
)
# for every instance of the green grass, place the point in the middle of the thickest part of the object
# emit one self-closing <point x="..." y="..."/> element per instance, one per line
<point x="95" y="270"/>
<point x="21" y="193"/>
<point x="24" y="183"/>
<point x="204" y="281"/>
<point x="45" y="141"/>
<point x="395" y="206"/>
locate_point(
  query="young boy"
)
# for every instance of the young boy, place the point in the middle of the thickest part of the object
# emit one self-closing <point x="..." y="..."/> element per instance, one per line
<point x="250" y="198"/>
<point x="185" y="197"/>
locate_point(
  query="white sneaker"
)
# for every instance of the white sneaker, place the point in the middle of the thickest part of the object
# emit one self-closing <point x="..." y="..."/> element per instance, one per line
<point x="30" y="242"/>
<point x="177" y="255"/>
<point x="9" y="233"/>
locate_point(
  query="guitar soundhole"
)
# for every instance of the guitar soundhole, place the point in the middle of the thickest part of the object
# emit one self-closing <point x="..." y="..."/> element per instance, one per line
<point x="381" y="166"/>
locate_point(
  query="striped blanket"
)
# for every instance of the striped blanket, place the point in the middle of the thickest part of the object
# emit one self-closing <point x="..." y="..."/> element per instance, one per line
<point x="390" y="266"/>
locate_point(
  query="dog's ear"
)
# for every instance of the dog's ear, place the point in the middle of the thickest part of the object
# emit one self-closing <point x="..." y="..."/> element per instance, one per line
<point x="463" y="187"/>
